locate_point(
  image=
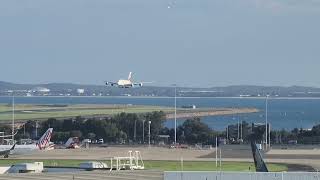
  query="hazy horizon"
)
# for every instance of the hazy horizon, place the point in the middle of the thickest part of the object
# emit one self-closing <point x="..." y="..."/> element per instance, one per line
<point x="172" y="85"/>
<point x="206" y="43"/>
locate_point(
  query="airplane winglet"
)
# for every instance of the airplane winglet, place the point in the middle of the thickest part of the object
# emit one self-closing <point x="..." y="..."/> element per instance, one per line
<point x="13" y="147"/>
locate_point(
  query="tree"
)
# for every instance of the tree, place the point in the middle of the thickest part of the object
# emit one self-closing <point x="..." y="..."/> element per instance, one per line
<point x="157" y="119"/>
<point x="195" y="131"/>
<point x="76" y="133"/>
<point x="52" y="123"/>
<point x="91" y="136"/>
<point x="68" y="125"/>
<point x="60" y="136"/>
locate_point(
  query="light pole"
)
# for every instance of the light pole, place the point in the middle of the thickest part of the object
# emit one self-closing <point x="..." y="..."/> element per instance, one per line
<point x="135" y="131"/>
<point x="175" y="114"/>
<point x="227" y="134"/>
<point x="24" y="130"/>
<point x="143" y="131"/>
<point x="2" y="134"/>
<point x="216" y="151"/>
<point x="149" y="132"/>
<point x="269" y="135"/>
<point x="241" y="130"/>
<point x="13" y="118"/>
<point x="238" y="129"/>
<point x="267" y="122"/>
<point x="36" y="129"/>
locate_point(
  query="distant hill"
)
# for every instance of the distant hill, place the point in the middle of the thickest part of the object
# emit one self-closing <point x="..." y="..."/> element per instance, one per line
<point x="12" y="86"/>
<point x="69" y="89"/>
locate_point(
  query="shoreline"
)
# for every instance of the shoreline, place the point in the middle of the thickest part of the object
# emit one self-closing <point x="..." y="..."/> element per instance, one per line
<point x="213" y="112"/>
<point x="170" y="97"/>
<point x="169" y="116"/>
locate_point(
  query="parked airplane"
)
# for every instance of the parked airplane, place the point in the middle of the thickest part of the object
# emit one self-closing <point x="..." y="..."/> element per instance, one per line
<point x="5" y="153"/>
<point x="42" y="144"/>
<point x="126" y="83"/>
<point x="72" y="143"/>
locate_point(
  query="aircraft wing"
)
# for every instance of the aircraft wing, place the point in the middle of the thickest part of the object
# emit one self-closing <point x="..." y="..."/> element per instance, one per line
<point x="138" y="84"/>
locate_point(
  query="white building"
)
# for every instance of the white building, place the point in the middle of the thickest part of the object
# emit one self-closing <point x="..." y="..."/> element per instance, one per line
<point x="80" y="91"/>
<point x="40" y="90"/>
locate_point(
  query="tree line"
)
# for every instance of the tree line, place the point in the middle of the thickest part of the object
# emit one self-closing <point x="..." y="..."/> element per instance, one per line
<point x="247" y="132"/>
<point x="121" y="128"/>
<point x="134" y="128"/>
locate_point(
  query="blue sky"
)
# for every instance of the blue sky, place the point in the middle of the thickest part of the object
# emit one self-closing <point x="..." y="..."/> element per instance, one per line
<point x="188" y="42"/>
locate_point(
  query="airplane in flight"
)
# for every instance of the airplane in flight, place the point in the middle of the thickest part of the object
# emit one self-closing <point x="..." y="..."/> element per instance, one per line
<point x="126" y="83"/>
<point x="42" y="144"/>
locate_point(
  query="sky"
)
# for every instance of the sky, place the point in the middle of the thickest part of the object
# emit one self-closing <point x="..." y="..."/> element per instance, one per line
<point x="197" y="43"/>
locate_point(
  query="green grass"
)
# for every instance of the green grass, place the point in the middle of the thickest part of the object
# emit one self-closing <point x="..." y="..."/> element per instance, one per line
<point x="67" y="163"/>
<point x="208" y="166"/>
<point x="165" y="165"/>
<point x="28" y="111"/>
<point x="45" y="112"/>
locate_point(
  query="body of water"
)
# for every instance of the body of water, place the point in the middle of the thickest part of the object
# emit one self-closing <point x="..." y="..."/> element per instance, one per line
<point x="282" y="113"/>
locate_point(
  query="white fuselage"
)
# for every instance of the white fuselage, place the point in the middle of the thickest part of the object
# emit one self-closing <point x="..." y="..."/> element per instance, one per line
<point x="125" y="83"/>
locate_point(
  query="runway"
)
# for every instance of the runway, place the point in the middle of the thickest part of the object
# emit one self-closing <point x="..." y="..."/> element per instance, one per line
<point x="152" y="153"/>
<point x="235" y="153"/>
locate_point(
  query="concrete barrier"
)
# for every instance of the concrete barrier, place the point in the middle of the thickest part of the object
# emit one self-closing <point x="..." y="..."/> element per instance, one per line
<point x="241" y="176"/>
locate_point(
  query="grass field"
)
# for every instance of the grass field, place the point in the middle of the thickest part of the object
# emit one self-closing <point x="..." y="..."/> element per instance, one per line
<point x="39" y="112"/>
<point x="23" y="112"/>
<point x="165" y="165"/>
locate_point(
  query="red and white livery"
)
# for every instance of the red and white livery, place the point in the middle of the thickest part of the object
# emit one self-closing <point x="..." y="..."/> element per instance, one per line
<point x="42" y="144"/>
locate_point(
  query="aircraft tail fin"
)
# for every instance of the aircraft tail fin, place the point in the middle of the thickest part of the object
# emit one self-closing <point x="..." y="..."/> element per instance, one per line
<point x="45" y="139"/>
<point x="72" y="142"/>
<point x="130" y="76"/>
<point x="258" y="160"/>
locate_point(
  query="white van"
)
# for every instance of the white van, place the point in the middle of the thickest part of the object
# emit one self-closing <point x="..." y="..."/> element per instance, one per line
<point x="100" y="141"/>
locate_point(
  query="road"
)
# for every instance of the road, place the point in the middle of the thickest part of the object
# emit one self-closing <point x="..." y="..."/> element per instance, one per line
<point x="96" y="175"/>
